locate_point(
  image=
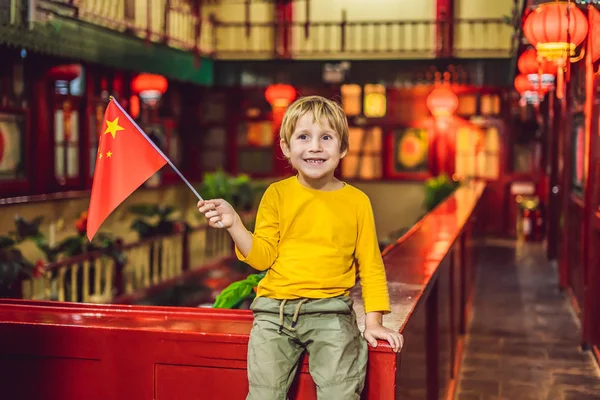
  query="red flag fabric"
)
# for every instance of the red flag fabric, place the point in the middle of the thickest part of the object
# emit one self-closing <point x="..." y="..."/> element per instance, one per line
<point x="126" y="158"/>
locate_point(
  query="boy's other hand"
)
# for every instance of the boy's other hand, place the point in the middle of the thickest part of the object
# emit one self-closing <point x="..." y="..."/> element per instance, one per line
<point x="378" y="331"/>
<point x="218" y="210"/>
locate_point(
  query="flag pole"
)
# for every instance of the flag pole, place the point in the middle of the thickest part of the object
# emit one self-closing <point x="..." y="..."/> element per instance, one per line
<point x="111" y="98"/>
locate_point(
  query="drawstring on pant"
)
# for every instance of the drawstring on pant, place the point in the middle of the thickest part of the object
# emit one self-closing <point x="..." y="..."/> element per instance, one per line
<point x="294" y="318"/>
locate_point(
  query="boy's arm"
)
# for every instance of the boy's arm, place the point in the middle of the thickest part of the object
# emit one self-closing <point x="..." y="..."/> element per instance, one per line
<point x="241" y="236"/>
<point x="373" y="282"/>
<point x="370" y="264"/>
<point x="259" y="250"/>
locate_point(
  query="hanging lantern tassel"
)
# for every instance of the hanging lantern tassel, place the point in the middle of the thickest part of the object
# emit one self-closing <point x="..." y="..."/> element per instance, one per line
<point x="560" y="82"/>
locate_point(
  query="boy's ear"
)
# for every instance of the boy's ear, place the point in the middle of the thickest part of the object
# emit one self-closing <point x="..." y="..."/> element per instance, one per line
<point x="284" y="148"/>
<point x="343" y="154"/>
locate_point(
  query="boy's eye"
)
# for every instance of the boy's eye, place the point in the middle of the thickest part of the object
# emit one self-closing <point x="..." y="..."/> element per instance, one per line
<point x="302" y="137"/>
<point x="327" y="137"/>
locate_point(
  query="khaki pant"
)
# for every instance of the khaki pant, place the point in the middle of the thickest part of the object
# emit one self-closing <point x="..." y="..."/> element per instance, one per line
<point x="325" y="328"/>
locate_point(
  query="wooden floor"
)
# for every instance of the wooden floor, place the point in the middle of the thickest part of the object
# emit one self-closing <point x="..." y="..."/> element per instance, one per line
<point x="524" y="340"/>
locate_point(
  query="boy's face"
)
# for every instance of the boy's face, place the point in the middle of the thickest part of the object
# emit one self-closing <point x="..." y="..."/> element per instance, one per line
<point x="314" y="151"/>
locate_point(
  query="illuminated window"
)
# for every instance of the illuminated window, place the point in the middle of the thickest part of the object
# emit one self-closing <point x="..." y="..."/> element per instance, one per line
<point x="363" y="160"/>
<point x="375" y="102"/>
<point x="490" y="104"/>
<point x="351" y="99"/>
<point x="467" y="141"/>
<point x="488" y="156"/>
<point x="255" y="147"/>
<point x="66" y="142"/>
<point x="467" y="105"/>
<point x="579" y="155"/>
<point x="12" y="141"/>
<point x="477" y="153"/>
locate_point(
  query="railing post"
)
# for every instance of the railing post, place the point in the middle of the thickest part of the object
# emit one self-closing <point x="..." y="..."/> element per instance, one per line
<point x="185" y="249"/>
<point x="247" y="23"/>
<point x="148" y="20"/>
<point x="212" y="19"/>
<point x="166" y="13"/>
<point x="343" y="31"/>
<point x="118" y="279"/>
<point x="197" y="31"/>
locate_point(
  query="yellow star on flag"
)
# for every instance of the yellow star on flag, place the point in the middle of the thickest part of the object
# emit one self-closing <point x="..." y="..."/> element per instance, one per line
<point x="113" y="127"/>
<point x="100" y="155"/>
<point x="109" y="154"/>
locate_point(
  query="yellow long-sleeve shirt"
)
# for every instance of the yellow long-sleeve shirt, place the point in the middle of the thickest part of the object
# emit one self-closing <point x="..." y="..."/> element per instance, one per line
<point x="309" y="241"/>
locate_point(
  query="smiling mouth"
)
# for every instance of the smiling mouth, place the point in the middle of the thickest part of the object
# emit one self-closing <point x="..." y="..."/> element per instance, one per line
<point x="314" y="160"/>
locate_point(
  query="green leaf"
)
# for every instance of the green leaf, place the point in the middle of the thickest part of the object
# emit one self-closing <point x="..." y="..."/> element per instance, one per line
<point x="26" y="229"/>
<point x="237" y="292"/>
<point x="142" y="228"/>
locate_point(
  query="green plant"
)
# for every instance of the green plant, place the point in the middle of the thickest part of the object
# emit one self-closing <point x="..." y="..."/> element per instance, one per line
<point x="234" y="294"/>
<point x="437" y="189"/>
<point x="239" y="190"/>
<point x="154" y="220"/>
<point x="12" y="265"/>
<point x="79" y="243"/>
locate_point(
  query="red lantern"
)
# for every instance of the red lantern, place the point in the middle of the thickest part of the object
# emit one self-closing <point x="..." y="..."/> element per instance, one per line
<point x="556" y="29"/>
<point x="529" y="63"/>
<point x="280" y="95"/>
<point x="150" y="87"/>
<point x="65" y="72"/>
<point x="522" y="84"/>
<point x="442" y="102"/>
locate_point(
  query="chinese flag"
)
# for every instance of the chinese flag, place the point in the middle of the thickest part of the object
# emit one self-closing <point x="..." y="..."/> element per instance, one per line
<point x="126" y="158"/>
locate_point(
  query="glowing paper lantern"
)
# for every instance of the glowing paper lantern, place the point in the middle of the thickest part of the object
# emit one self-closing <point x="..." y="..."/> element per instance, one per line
<point x="442" y="102"/>
<point x="149" y="87"/>
<point x="65" y="72"/>
<point x="556" y="29"/>
<point x="280" y="95"/>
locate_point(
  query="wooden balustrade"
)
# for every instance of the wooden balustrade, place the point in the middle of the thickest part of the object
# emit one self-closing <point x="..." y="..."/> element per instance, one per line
<point x="185" y="25"/>
<point x="96" y="278"/>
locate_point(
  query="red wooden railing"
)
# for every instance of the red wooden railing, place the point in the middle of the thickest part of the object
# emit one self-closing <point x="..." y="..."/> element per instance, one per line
<point x="74" y="351"/>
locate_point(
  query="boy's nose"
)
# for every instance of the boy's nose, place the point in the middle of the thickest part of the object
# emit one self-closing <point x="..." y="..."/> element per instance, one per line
<point x="315" y="145"/>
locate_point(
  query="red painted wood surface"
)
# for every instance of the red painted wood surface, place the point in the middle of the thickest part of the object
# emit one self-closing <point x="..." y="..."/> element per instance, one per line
<point x="73" y="351"/>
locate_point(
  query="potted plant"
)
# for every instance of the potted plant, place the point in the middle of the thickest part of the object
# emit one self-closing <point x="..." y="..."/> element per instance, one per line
<point x="437" y="189"/>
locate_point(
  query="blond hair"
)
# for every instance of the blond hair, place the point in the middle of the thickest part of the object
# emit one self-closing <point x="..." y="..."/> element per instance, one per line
<point x="321" y="109"/>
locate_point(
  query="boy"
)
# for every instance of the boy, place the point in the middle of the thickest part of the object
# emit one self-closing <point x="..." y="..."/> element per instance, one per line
<point x="310" y="230"/>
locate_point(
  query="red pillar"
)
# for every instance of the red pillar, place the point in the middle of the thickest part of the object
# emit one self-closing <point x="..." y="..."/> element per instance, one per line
<point x="283" y="16"/>
<point x="444" y="28"/>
